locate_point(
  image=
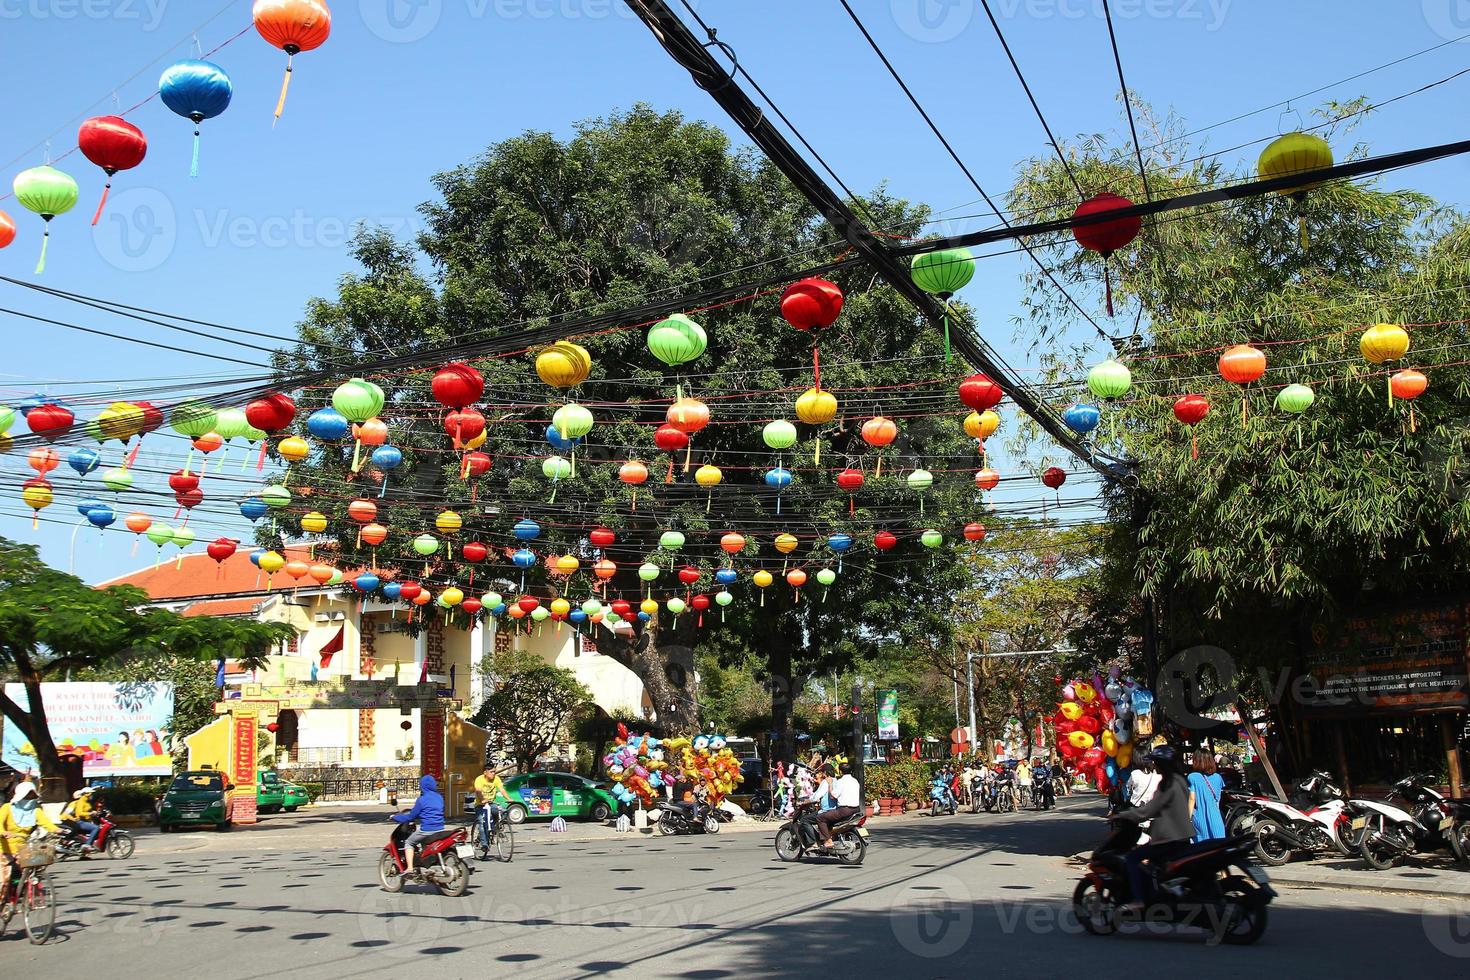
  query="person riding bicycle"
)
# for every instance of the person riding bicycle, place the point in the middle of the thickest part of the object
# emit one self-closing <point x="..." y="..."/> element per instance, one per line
<point x="18" y="820"/>
<point x="428" y="810"/>
<point x="78" y="816"/>
<point x="489" y="794"/>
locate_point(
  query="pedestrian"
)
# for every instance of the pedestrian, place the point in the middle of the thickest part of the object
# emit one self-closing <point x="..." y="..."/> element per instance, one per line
<point x="1023" y="780"/>
<point x="1205" y="786"/>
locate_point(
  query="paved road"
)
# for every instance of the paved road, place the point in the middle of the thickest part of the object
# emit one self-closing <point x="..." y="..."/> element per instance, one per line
<point x="949" y="897"/>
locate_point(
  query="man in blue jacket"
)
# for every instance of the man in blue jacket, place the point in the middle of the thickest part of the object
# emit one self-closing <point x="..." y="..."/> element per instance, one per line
<point x="428" y="810"/>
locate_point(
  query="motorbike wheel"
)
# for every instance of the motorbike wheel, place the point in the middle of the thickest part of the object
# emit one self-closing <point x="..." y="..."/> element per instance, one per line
<point x="666" y="825"/>
<point x="1270" y="848"/>
<point x="1460" y="843"/>
<point x="1349" y="840"/>
<point x="711" y="824"/>
<point x="1239" y="822"/>
<point x="855" y="850"/>
<point x="1377" y="853"/>
<point x="788" y="847"/>
<point x="990" y="803"/>
<point x="459" y="876"/>
<point x="1094" y="908"/>
<point x="1243" y="915"/>
<point x="120" y="845"/>
<point x="388" y="874"/>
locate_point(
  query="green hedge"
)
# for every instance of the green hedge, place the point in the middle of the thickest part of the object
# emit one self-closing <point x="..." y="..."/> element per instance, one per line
<point x="908" y="779"/>
<point x="313" y="790"/>
<point x="127" y="799"/>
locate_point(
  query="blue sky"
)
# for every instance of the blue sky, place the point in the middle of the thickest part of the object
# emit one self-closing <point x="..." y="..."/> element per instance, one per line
<point x="405" y="88"/>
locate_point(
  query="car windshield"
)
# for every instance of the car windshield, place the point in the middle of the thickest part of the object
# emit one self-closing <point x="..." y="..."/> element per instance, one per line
<point x="195" y="781"/>
<point x="269" y="777"/>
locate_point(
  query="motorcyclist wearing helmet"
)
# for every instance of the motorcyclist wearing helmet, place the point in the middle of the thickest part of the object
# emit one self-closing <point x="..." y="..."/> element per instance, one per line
<point x="1171" y="829"/>
<point x="78" y="815"/>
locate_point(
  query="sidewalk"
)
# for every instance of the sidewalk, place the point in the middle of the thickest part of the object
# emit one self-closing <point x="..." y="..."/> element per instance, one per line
<point x="1426" y="875"/>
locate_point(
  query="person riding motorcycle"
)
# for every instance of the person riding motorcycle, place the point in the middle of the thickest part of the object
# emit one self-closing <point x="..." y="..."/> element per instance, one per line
<point x="939" y="789"/>
<point x="1042" y="774"/>
<point x="78" y="816"/>
<point x="489" y="794"/>
<point x="846" y="796"/>
<point x="18" y="820"/>
<point x="428" y="810"/>
<point x="1171" y="829"/>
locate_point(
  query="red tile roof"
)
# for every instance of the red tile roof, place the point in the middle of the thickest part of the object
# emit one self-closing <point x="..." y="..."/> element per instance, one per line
<point x="223" y="607"/>
<point x="199" y="575"/>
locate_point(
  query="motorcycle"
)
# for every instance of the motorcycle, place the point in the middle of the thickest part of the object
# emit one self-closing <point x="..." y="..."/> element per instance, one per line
<point x="982" y="794"/>
<point x="941" y="800"/>
<point x="1391" y="833"/>
<point x="445" y="860"/>
<point x="1211" y="884"/>
<point x="115" y="843"/>
<point x="1315" y="822"/>
<point x="673" y="819"/>
<point x="798" y="836"/>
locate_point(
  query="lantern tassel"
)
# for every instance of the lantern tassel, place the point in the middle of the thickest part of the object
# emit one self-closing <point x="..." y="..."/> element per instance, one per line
<point x="45" y="240"/>
<point x="260" y="460"/>
<point x="879" y="471"/>
<point x="102" y="203"/>
<point x="1108" y="286"/>
<point x="133" y="453"/>
<point x="945" y="317"/>
<point x="709" y="501"/>
<point x="669" y="476"/>
<point x="816" y="366"/>
<point x="817" y="452"/>
<point x="1412" y="427"/>
<point x="1301" y="224"/>
<point x="688" y="452"/>
<point x="285" y="84"/>
<point x="1390" y="394"/>
<point x="1193" y="444"/>
<point x="194" y="163"/>
<point x="356" y="455"/>
<point x="1242" y="410"/>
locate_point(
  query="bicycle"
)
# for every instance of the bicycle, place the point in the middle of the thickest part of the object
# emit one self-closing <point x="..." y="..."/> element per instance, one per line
<point x="30" y="889"/>
<point x="500" y="840"/>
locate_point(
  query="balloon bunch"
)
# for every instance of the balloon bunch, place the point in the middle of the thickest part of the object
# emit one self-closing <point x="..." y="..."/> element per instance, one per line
<point x="1098" y="724"/>
<point x="635" y="765"/>
<point x="707" y="761"/>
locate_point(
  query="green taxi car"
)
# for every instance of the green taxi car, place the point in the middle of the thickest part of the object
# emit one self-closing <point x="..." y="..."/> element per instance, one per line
<point x="556" y="794"/>
<point x="272" y="793"/>
<point x="195" y="798"/>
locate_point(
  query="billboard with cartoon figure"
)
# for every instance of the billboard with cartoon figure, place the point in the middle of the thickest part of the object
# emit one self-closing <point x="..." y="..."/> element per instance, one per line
<point x="118" y="729"/>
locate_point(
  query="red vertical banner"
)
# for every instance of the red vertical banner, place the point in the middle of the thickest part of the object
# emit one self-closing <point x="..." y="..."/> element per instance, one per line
<point x="432" y="751"/>
<point x="242" y="758"/>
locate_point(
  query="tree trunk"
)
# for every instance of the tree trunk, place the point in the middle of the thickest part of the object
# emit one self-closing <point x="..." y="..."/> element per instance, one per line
<point x="666" y="668"/>
<point x="32" y="723"/>
<point x="784" y="690"/>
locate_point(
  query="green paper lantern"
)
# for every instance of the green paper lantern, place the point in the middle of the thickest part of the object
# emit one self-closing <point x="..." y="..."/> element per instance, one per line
<point x="612" y="618"/>
<point x="252" y="434"/>
<point x="192" y="419"/>
<point x="556" y="468"/>
<point x="492" y="600"/>
<point x="426" y="544"/>
<point x="1109" y="380"/>
<point x="184" y="536"/>
<point x="276" y="497"/>
<point x="826" y="576"/>
<point x="572" y="421"/>
<point x="46" y="191"/>
<point x="677" y="340"/>
<point x="540" y="613"/>
<point x="592" y="607"/>
<point x="7" y="418"/>
<point x="336" y="578"/>
<point x="118" y="478"/>
<point x="648" y="571"/>
<point x="160" y="534"/>
<point x="943" y="273"/>
<point x="230" y="423"/>
<point x="671" y="540"/>
<point x="1295" y="399"/>
<point x="920" y="480"/>
<point x="779" y="434"/>
<point x="358" y="400"/>
<point x="94" y="429"/>
<point x="931" y="538"/>
<point x="723" y="597"/>
<point x="675" y="605"/>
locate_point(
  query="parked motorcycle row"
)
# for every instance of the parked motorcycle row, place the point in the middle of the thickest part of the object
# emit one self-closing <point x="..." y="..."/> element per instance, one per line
<point x="1319" y="819"/>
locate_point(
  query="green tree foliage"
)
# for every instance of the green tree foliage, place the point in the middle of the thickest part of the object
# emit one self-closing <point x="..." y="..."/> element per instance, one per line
<point x="635" y="207"/>
<point x="1283" y="519"/>
<point x="531" y="704"/>
<point x="53" y="625"/>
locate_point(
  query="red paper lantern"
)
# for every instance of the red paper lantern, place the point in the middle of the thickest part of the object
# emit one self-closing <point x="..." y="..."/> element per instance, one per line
<point x="1106" y="237"/>
<point x="689" y="575"/>
<point x="879" y="431"/>
<point x="700" y="603"/>
<point x="457" y="385"/>
<point x="373" y="534"/>
<point x="974" y="531"/>
<point x="189" y="499"/>
<point x="850" y="479"/>
<point x="528" y="604"/>
<point x="1242" y="364"/>
<point x="622" y="607"/>
<point x="474" y="551"/>
<point x="271" y="413"/>
<point x="1191" y="410"/>
<point x="670" y="439"/>
<point x="688" y="415"/>
<point x="273" y="728"/>
<point x="601" y="538"/>
<point x="152" y="417"/>
<point x="362" y="511"/>
<point x="633" y="473"/>
<point x="796" y="578"/>
<point x="181" y="482"/>
<point x="471" y="605"/>
<point x="979" y="392"/>
<point x="732" y="542"/>
<point x="885" y="540"/>
<point x="43" y="459"/>
<point x="476" y="464"/>
<point x="1054" y="477"/>
<point x="1408" y="384"/>
<point x="463" y="424"/>
<point x="113" y="144"/>
<point x="986" y="478"/>
<point x="409" y="591"/>
<point x="220" y="549"/>
<point x="811" y="304"/>
<point x="50" y="421"/>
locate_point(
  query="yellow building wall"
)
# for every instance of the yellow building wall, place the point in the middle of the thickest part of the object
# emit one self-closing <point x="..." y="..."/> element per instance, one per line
<point x="209" y="748"/>
<point x="464" y="759"/>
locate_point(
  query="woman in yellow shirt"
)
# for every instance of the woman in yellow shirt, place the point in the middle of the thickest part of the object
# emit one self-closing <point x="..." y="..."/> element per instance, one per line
<point x="18" y="819"/>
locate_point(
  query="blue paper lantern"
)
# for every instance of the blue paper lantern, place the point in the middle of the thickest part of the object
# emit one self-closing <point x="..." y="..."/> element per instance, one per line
<point x="253" y="508"/>
<point x="327" y="424"/>
<point x="526" y="530"/>
<point x="255" y="556"/>
<point x="780" y="478"/>
<point x="102" y="515"/>
<point x="524" y="559"/>
<point x="366" y="582"/>
<point x="643" y="617"/>
<point x="577" y="616"/>
<point x="84" y="460"/>
<point x="85" y="506"/>
<point x="499" y="610"/>
<point x="387" y="457"/>
<point x="196" y="90"/>
<point x="33" y="401"/>
<point x="727" y="576"/>
<point x="560" y="442"/>
<point x="392" y="591"/>
<point x="839" y="542"/>
<point x="1081" y="418"/>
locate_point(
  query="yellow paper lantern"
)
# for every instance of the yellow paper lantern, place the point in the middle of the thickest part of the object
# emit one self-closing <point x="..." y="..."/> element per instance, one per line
<point x="649" y="606"/>
<point x="567" y="564"/>
<point x="271" y="562"/>
<point x="448" y="522"/>
<point x="564" y="364"/>
<point x="785" y="543"/>
<point x="293" y="449"/>
<point x="451" y="596"/>
<point x="708" y="475"/>
<point x="973" y="426"/>
<point x="560" y="608"/>
<point x="37" y="495"/>
<point x="762" y="578"/>
<point x="1384" y="342"/>
<point x="816" y="406"/>
<point x="1294" y="153"/>
<point x="314" y="523"/>
<point x="988" y="424"/>
<point x="6" y="442"/>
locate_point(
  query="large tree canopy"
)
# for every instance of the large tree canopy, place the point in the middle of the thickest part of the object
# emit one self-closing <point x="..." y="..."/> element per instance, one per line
<point x="637" y="206"/>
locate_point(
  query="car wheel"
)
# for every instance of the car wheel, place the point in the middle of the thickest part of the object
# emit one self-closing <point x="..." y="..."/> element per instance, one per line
<point x="601" y="812"/>
<point x="291" y="809"/>
<point x="515" y="813"/>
